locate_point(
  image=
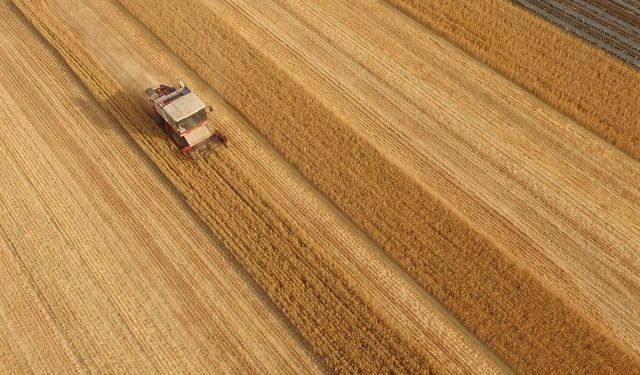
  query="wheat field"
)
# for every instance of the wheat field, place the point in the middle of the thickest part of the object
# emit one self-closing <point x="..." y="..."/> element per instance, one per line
<point x="387" y="202"/>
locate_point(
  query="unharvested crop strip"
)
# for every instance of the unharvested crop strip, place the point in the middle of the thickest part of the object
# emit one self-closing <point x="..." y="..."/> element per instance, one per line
<point x="290" y="266"/>
<point x="583" y="82"/>
<point x="503" y="305"/>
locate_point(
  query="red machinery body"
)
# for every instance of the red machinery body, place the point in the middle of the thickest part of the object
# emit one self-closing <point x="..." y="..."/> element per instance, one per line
<point x="183" y="117"/>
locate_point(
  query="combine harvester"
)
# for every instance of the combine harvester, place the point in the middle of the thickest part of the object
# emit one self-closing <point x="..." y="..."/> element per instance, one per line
<point x="183" y="118"/>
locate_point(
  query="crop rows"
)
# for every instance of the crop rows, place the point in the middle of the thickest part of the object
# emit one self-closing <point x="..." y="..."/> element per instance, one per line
<point x="581" y="81"/>
<point x="277" y="253"/>
<point x="505" y="307"/>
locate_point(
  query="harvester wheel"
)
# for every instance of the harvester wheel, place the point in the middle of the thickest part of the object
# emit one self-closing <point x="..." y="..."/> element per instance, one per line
<point x="158" y="119"/>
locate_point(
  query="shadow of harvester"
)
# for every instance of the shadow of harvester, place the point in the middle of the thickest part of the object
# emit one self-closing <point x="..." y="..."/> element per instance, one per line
<point x="129" y="114"/>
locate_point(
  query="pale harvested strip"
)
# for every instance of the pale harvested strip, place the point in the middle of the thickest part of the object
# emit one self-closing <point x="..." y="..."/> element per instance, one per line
<point x="29" y="340"/>
<point x="581" y="81"/>
<point x="592" y="23"/>
<point x="393" y="209"/>
<point x="11" y="361"/>
<point x="53" y="252"/>
<point x="294" y="268"/>
<point x="127" y="280"/>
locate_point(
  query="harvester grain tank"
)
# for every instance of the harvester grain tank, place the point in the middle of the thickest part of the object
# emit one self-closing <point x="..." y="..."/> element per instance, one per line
<point x="183" y="117"/>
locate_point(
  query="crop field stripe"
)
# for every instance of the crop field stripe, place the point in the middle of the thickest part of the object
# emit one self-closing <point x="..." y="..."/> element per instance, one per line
<point x="526" y="324"/>
<point x="328" y="312"/>
<point x="583" y="82"/>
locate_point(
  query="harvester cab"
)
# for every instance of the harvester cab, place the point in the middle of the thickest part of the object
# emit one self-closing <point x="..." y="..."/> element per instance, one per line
<point x="183" y="118"/>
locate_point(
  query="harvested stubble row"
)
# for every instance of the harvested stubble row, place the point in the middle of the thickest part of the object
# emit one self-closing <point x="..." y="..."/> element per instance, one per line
<point x="583" y="82"/>
<point x="515" y="315"/>
<point x="283" y="259"/>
